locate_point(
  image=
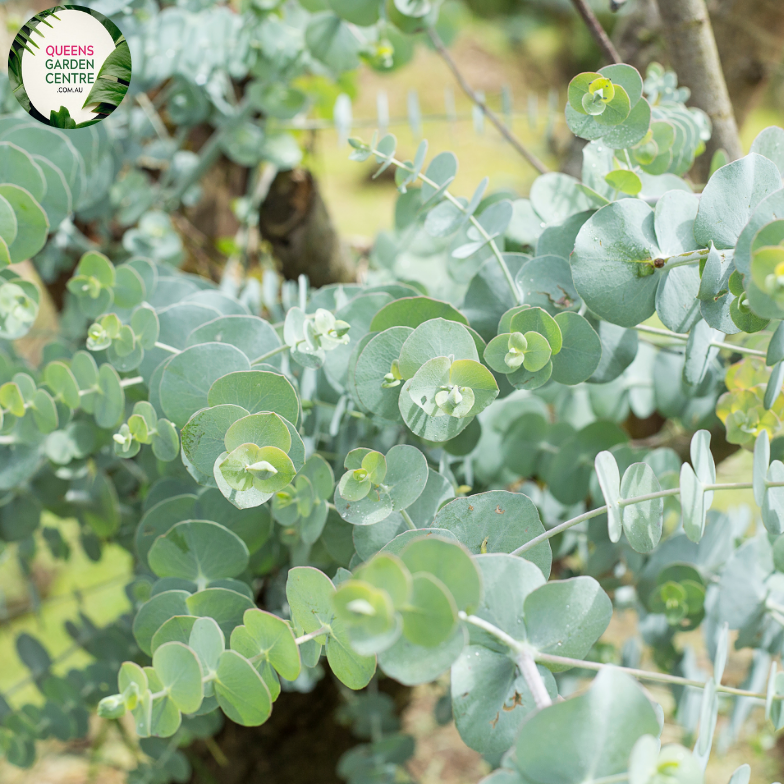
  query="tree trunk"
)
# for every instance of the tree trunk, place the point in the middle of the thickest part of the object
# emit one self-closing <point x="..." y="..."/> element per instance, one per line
<point x="693" y="51"/>
<point x="295" y="221"/>
<point x="637" y="35"/>
<point x="750" y="38"/>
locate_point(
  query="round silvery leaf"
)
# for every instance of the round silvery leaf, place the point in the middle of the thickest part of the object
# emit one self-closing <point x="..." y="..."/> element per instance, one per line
<point x="203" y="435"/>
<point x="642" y="522"/>
<point x="252" y="335"/>
<point x="581" y="351"/>
<point x="619" y="348"/>
<point x="546" y="282"/>
<point x="496" y="522"/>
<point x="262" y="429"/>
<point x="186" y="381"/>
<point x="770" y="144"/>
<point x="413" y="311"/>
<point x="180" y="673"/>
<point x="242" y="694"/>
<point x="608" y="720"/>
<point x="633" y="128"/>
<point x="406" y="476"/>
<point x="610" y="482"/>
<point x="435" y="338"/>
<point x="612" y="263"/>
<point x="198" y="550"/>
<point x="731" y="197"/>
<point x="491" y="699"/>
<point x="431" y="428"/>
<point x="692" y="498"/>
<point x="373" y="365"/>
<point x="676" y="298"/>
<point x="256" y="391"/>
<point x="372" y="508"/>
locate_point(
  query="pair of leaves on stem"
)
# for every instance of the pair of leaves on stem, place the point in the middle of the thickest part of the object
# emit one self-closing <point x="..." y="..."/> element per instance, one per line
<point x="125" y="343"/>
<point x="19" y="300"/>
<point x="81" y="385"/>
<point x="97" y="284"/>
<point x="311" y="336"/>
<point x="302" y="507"/>
<point x="374" y="486"/>
<point x="194" y="673"/>
<point x="445" y="385"/>
<point x="640" y="521"/>
<point x="144" y="427"/>
<point x="625" y="251"/>
<point x="768" y="485"/>
<point x="609" y="105"/>
<point x="256" y="463"/>
<point x="490" y="695"/>
<point x="417" y="594"/>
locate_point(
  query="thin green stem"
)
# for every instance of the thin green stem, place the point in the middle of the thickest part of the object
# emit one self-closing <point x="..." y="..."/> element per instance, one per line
<point x="312" y="635"/>
<point x="648" y="675"/>
<point x="324" y="404"/>
<point x="560" y="528"/>
<point x="615" y="779"/>
<point x="483" y="107"/>
<point x="525" y="660"/>
<point x="546" y="658"/>
<point x="474" y="222"/>
<point x="167" y="347"/>
<point x="499" y="634"/>
<point x="407" y="517"/>
<point x="129" y="382"/>
<point x="638" y="499"/>
<point x="684" y="263"/>
<point x="717" y="343"/>
<point x="278" y="350"/>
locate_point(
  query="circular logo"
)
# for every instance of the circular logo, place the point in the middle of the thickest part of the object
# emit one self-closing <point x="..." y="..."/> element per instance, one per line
<point x="69" y="66"/>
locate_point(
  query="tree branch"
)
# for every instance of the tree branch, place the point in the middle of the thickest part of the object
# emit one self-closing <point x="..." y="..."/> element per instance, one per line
<point x="489" y="113"/>
<point x="693" y="51"/>
<point x="597" y="31"/>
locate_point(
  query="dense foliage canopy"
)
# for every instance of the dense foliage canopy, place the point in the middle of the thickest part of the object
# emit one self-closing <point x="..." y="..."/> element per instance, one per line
<point x="371" y="477"/>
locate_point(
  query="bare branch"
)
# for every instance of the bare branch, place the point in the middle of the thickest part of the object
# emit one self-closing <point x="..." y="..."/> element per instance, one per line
<point x="597" y="31"/>
<point x="489" y="113"/>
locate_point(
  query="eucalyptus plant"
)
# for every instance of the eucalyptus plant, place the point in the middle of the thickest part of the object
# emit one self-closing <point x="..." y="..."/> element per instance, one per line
<point x="384" y="482"/>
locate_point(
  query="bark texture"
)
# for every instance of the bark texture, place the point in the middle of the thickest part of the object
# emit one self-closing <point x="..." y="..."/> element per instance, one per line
<point x="295" y="221"/>
<point x="750" y="39"/>
<point x="695" y="57"/>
